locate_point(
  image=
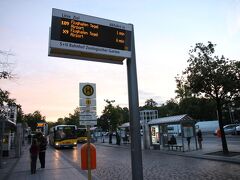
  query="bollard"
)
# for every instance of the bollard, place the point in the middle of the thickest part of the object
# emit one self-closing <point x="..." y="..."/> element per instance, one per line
<point x="84" y="156"/>
<point x="218" y="132"/>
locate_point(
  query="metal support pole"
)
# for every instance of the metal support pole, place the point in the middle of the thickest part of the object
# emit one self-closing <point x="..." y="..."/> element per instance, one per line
<point x="136" y="152"/>
<point x="88" y="153"/>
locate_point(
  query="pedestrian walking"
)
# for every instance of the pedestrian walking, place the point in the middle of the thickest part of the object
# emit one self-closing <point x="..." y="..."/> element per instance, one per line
<point x="188" y="141"/>
<point x="118" y="138"/>
<point x="102" y="137"/>
<point x="110" y="137"/>
<point x="199" y="135"/>
<point x="34" y="150"/>
<point x="42" y="149"/>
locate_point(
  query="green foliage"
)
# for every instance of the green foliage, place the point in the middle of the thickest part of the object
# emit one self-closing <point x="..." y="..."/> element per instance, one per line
<point x="51" y="124"/>
<point x="60" y="121"/>
<point x="5" y="98"/>
<point x="5" y="69"/>
<point x="73" y="119"/>
<point x="33" y="118"/>
<point x="183" y="90"/>
<point x="198" y="108"/>
<point x="211" y="76"/>
<point x="113" y="116"/>
<point x="150" y="103"/>
<point x="20" y="114"/>
<point x="168" y="109"/>
<point x="214" y="77"/>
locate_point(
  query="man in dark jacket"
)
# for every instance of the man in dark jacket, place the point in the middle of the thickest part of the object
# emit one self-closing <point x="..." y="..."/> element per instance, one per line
<point x="34" y="150"/>
<point x="199" y="135"/>
<point x="42" y="149"/>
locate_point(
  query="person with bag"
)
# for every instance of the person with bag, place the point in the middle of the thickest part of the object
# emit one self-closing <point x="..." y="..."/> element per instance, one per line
<point x="34" y="151"/>
<point x="42" y="149"/>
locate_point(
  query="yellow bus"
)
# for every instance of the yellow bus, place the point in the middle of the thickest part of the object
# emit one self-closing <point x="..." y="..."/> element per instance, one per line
<point x="81" y="135"/>
<point x="63" y="136"/>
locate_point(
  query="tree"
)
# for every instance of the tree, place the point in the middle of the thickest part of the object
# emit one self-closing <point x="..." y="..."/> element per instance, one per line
<point x="212" y="77"/>
<point x="33" y="118"/>
<point x="60" y="121"/>
<point x="5" y="66"/>
<point x="150" y="103"/>
<point x="5" y="98"/>
<point x="168" y="109"/>
<point x="20" y="114"/>
<point x="198" y="108"/>
<point x="73" y="119"/>
<point x="113" y="116"/>
<point x="183" y="89"/>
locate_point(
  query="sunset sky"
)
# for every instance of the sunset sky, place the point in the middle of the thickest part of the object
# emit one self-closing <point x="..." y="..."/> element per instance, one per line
<point x="164" y="33"/>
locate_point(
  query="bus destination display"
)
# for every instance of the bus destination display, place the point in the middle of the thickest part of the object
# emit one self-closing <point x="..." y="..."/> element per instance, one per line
<point x="91" y="37"/>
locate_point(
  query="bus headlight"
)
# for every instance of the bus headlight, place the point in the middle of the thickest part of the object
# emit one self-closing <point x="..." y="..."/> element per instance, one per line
<point x="56" y="144"/>
<point x="75" y="143"/>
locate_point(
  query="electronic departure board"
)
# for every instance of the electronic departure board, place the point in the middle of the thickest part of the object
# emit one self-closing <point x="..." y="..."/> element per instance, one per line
<point x="79" y="36"/>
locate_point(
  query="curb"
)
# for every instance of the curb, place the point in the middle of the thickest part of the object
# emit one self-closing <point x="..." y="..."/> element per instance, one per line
<point x="206" y="157"/>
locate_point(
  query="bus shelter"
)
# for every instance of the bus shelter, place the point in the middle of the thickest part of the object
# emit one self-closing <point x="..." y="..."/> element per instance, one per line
<point x="182" y="127"/>
<point x="125" y="132"/>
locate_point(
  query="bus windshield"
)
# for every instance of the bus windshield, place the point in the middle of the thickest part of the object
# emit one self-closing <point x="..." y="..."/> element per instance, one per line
<point x="81" y="132"/>
<point x="65" y="132"/>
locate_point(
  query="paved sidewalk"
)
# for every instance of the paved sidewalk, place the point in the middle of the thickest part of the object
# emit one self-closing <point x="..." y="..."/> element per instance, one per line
<point x="56" y="168"/>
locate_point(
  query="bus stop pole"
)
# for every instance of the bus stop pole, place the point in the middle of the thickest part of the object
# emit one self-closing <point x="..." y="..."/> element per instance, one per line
<point x="88" y="153"/>
<point x="136" y="151"/>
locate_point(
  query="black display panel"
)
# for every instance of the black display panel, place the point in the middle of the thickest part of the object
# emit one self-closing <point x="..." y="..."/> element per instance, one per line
<point x="69" y="30"/>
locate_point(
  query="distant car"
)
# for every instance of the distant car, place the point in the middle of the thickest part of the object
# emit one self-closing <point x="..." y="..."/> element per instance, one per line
<point x="238" y="129"/>
<point x="230" y="129"/>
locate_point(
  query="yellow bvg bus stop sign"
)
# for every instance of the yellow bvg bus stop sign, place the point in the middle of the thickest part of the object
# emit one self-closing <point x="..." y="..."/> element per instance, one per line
<point x="88" y="90"/>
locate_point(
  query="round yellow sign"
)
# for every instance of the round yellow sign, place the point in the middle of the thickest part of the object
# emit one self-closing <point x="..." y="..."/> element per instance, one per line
<point x="88" y="90"/>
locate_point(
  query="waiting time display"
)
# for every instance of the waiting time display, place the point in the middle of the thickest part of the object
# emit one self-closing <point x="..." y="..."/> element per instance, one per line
<point x="79" y="36"/>
<point x="70" y="30"/>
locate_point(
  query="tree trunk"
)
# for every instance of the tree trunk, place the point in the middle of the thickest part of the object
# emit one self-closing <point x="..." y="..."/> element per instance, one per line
<point x="223" y="137"/>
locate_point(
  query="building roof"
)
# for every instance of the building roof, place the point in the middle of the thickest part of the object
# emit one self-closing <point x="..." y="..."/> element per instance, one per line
<point x="125" y="125"/>
<point x="165" y="120"/>
<point x="172" y="120"/>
